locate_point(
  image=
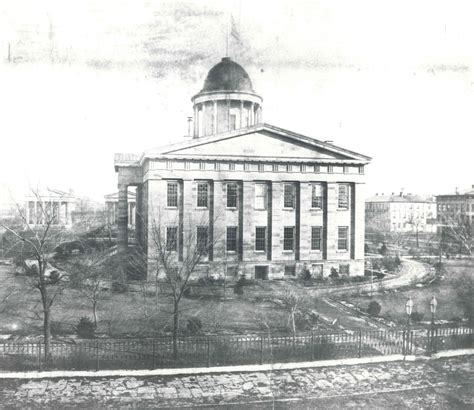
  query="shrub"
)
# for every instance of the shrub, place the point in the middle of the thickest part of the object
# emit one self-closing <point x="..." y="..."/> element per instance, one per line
<point x="334" y="273"/>
<point x="119" y="287"/>
<point x="239" y="286"/>
<point x="374" y="308"/>
<point x="305" y="274"/>
<point x="383" y="249"/>
<point x="417" y="317"/>
<point x="85" y="328"/>
<point x="194" y="326"/>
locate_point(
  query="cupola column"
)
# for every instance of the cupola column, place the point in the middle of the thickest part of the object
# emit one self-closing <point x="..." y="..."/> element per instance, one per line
<point x="214" y="123"/>
<point x="242" y="114"/>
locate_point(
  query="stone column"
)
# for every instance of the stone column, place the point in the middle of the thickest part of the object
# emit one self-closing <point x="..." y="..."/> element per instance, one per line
<point x="122" y="220"/>
<point x="139" y="215"/>
<point x="252" y="114"/>
<point x="196" y="121"/>
<point x="215" y="118"/>
<point x="242" y="114"/>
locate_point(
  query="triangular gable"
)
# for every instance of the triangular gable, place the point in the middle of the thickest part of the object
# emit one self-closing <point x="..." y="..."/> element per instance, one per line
<point x="262" y="141"/>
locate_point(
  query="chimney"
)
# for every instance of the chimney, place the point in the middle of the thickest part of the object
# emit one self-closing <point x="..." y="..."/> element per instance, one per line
<point x="190" y="121"/>
<point x="456" y="191"/>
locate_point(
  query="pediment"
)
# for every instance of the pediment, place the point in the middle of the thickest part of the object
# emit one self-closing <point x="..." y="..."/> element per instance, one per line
<point x="265" y="142"/>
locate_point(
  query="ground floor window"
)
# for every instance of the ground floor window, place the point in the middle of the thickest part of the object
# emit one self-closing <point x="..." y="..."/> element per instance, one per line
<point x="261" y="272"/>
<point x="344" y="269"/>
<point x="317" y="270"/>
<point x="290" y="270"/>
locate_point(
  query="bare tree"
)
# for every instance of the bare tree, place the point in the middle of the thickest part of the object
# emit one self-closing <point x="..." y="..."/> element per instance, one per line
<point x="91" y="273"/>
<point x="290" y="301"/>
<point x="177" y="257"/>
<point x="35" y="239"/>
<point x="457" y="229"/>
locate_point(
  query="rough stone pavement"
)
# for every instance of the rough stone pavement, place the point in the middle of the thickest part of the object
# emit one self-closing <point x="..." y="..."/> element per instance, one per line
<point x="330" y="387"/>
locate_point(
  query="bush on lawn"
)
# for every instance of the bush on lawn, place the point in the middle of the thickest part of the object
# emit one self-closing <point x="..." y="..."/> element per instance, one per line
<point x="85" y="328"/>
<point x="334" y="273"/>
<point x="374" y="308"/>
<point x="417" y="316"/>
<point x="305" y="274"/>
<point x="119" y="287"/>
<point x="194" y="326"/>
<point x="239" y="286"/>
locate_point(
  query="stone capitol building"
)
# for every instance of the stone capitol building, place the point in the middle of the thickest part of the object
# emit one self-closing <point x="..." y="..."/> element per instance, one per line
<point x="268" y="202"/>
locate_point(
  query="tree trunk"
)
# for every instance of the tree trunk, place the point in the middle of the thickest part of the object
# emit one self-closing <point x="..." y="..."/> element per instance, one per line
<point x="47" y="332"/>
<point x="175" y="330"/>
<point x="94" y="312"/>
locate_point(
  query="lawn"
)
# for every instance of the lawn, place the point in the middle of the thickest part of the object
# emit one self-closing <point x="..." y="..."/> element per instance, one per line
<point x="137" y="313"/>
<point x="393" y="302"/>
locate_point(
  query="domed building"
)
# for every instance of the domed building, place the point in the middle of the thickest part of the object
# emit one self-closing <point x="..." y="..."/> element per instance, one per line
<point x="242" y="197"/>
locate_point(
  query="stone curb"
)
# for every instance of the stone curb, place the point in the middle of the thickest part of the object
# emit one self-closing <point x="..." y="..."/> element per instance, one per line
<point x="231" y="369"/>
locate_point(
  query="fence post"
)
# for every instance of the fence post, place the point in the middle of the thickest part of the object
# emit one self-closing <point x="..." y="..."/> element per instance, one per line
<point x="312" y="344"/>
<point x="411" y="342"/>
<point x="208" y="351"/>
<point x="97" y="363"/>
<point x="404" y="343"/>
<point x="261" y="349"/>
<point x="360" y="343"/>
<point x="154" y="353"/>
<point x="39" y="356"/>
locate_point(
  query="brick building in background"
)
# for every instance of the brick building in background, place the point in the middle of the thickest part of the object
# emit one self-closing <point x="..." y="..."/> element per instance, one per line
<point x="278" y="201"/>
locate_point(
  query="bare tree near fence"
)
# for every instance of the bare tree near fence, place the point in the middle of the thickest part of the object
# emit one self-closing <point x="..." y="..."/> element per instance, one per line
<point x="458" y="229"/>
<point x="177" y="271"/>
<point x="36" y="240"/>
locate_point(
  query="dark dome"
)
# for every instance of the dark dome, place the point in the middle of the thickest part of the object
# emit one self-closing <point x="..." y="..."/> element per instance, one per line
<point x="227" y="76"/>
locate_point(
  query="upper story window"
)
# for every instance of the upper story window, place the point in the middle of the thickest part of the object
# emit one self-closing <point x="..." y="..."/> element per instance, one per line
<point x="317" y="196"/>
<point x="172" y="238"/>
<point x="202" y="240"/>
<point x="342" y="238"/>
<point x="260" y="196"/>
<point x="232" y="191"/>
<point x="343" y="196"/>
<point x="233" y="121"/>
<point x="289" y="200"/>
<point x="289" y="238"/>
<point x="316" y="238"/>
<point x="202" y="194"/>
<point x="172" y="195"/>
<point x="260" y="238"/>
<point x="231" y="239"/>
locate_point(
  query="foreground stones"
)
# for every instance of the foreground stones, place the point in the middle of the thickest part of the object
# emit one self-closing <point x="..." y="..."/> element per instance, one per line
<point x="331" y="386"/>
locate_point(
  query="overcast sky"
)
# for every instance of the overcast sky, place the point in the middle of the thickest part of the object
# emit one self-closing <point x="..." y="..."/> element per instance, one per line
<point x="389" y="79"/>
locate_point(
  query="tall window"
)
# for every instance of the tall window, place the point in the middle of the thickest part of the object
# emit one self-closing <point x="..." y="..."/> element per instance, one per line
<point x="202" y="239"/>
<point x="342" y="238"/>
<point x="316" y="238"/>
<point x="343" y="196"/>
<point x="232" y="191"/>
<point x="260" y="196"/>
<point x="172" y="195"/>
<point x="289" y="199"/>
<point x="233" y="121"/>
<point x="172" y="238"/>
<point x="260" y="238"/>
<point x="231" y="239"/>
<point x="289" y="238"/>
<point x="202" y="194"/>
<point x="317" y="196"/>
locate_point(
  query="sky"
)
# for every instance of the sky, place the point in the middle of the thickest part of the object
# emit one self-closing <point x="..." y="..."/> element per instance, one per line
<point x="80" y="81"/>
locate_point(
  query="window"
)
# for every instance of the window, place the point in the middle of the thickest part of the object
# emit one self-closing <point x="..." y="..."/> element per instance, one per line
<point x="290" y="270"/>
<point x="345" y="169"/>
<point x="343" y="196"/>
<point x="316" y="238"/>
<point x="361" y="169"/>
<point x="246" y="166"/>
<point x="289" y="238"/>
<point x="261" y="272"/>
<point x="303" y="167"/>
<point x="172" y="238"/>
<point x="261" y="167"/>
<point x="317" y="270"/>
<point x="260" y="196"/>
<point x="231" y="239"/>
<point x="233" y="121"/>
<point x="232" y="195"/>
<point x="217" y="166"/>
<point x="202" y="194"/>
<point x="344" y="269"/>
<point x="169" y="164"/>
<point x="202" y="166"/>
<point x="260" y="238"/>
<point x="342" y="237"/>
<point x="202" y="239"/>
<point x="275" y="167"/>
<point x="289" y="196"/>
<point x="317" y="169"/>
<point x="289" y="167"/>
<point x="330" y="169"/>
<point x="317" y="196"/>
<point x="231" y="166"/>
<point x="172" y="194"/>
